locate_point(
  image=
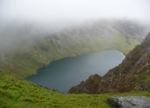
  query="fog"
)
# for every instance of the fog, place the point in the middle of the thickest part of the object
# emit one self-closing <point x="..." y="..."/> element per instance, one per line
<point x="40" y="16"/>
<point x="60" y="13"/>
<point x="54" y="10"/>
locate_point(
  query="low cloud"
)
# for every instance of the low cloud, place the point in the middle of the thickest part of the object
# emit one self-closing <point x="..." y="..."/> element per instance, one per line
<point x="20" y="19"/>
<point x="53" y="10"/>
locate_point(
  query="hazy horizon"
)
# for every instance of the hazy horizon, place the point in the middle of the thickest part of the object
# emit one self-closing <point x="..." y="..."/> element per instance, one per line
<point x="59" y="14"/>
<point x="73" y="10"/>
<point x="33" y="17"/>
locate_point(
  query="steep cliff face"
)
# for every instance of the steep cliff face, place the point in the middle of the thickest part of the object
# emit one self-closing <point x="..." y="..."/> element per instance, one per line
<point x="24" y="57"/>
<point x="133" y="74"/>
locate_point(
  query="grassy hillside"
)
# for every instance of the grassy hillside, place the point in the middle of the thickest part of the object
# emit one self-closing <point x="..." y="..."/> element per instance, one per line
<point x="16" y="93"/>
<point x="28" y="55"/>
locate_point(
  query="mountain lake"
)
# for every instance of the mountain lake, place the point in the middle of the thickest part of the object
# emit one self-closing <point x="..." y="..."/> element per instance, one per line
<point x="64" y="73"/>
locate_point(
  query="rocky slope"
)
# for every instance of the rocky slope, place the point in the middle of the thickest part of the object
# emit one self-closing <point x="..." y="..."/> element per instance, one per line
<point x="36" y="50"/>
<point x="133" y="74"/>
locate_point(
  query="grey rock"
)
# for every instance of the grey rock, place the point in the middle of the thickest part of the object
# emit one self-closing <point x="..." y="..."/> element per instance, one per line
<point x="130" y="102"/>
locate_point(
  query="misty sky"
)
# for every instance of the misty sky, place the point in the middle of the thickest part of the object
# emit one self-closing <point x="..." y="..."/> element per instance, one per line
<point x="21" y="19"/>
<point x="52" y="10"/>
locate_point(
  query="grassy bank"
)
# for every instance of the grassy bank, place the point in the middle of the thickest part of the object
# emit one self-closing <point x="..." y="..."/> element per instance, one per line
<point x="16" y="93"/>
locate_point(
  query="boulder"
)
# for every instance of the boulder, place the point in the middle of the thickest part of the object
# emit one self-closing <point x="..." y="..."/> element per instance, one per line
<point x="130" y="102"/>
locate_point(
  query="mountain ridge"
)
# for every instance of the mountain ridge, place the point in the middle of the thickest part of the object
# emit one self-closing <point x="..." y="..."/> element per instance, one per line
<point x="27" y="55"/>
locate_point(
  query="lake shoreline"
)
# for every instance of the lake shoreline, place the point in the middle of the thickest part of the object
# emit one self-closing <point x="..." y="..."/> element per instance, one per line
<point x="75" y="69"/>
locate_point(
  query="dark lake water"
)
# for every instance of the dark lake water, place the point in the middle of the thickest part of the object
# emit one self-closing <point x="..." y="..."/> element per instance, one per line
<point x="67" y="72"/>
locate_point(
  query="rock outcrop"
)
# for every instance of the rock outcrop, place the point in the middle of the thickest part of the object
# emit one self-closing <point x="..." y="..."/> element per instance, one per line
<point x="130" y="102"/>
<point x="132" y="74"/>
<point x="89" y="86"/>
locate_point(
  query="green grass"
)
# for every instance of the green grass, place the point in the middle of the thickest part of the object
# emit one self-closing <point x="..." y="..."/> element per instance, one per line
<point x="16" y="93"/>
